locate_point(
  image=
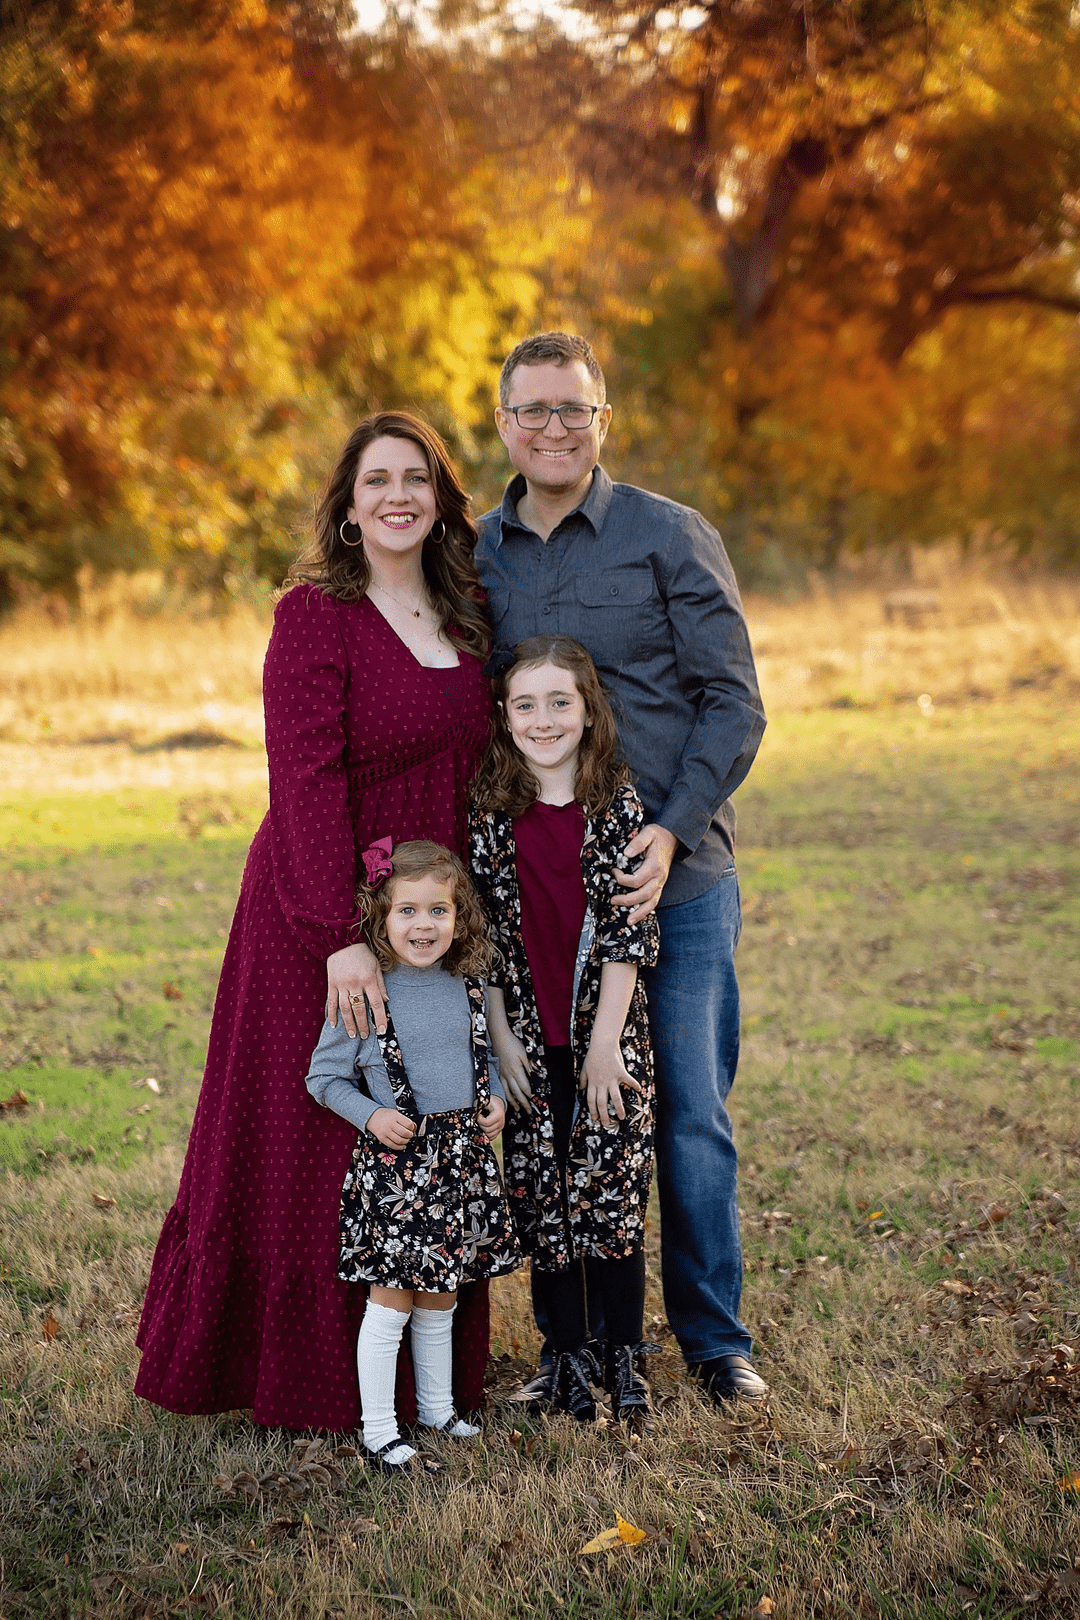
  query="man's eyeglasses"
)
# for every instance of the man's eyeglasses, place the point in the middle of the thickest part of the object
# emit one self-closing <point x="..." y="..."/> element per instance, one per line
<point x="575" y="417"/>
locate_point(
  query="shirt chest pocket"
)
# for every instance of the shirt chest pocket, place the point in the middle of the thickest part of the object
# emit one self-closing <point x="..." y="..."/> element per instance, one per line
<point x="622" y="613"/>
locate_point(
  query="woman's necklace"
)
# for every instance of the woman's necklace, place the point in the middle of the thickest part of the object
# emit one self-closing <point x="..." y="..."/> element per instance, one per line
<point x="415" y="611"/>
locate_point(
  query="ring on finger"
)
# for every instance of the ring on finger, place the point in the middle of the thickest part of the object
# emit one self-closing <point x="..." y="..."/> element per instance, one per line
<point x="355" y="999"/>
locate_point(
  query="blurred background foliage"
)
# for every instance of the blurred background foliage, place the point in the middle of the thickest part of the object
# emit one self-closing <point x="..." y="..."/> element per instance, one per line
<point x="827" y="252"/>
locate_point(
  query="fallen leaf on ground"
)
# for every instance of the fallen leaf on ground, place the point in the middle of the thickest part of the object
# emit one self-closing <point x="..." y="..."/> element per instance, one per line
<point x="150" y="1083"/>
<point x="103" y="1202"/>
<point x="621" y="1531"/>
<point x="172" y="992"/>
<point x="359" y="1527"/>
<point x="1071" y="1482"/>
<point x="243" y="1482"/>
<point x="82" y="1462"/>
<point x="120" y="1318"/>
<point x="50" y="1327"/>
<point x="18" y="1099"/>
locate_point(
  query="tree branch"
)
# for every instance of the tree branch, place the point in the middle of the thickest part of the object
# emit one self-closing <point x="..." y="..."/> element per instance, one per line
<point x="1067" y="303"/>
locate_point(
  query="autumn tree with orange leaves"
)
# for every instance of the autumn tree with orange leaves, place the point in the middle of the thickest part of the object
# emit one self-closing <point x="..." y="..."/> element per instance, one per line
<point x="827" y="251"/>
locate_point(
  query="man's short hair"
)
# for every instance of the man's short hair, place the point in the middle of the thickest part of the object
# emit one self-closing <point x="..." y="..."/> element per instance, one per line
<point x="562" y="348"/>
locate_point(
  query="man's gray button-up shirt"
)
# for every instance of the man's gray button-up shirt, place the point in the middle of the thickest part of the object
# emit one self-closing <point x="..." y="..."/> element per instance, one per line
<point x="646" y="586"/>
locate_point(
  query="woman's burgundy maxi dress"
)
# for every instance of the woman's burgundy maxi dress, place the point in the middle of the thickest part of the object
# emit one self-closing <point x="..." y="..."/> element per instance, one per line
<point x="244" y="1307"/>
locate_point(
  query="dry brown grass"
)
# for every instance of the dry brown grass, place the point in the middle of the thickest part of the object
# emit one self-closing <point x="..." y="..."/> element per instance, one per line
<point x="118" y="670"/>
<point x="980" y="638"/>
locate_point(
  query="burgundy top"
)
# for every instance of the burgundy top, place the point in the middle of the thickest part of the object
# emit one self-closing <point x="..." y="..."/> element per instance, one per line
<point x="245" y="1307"/>
<point x="548" y="839"/>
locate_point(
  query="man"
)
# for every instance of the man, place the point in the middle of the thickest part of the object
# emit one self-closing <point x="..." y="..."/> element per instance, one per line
<point x="646" y="586"/>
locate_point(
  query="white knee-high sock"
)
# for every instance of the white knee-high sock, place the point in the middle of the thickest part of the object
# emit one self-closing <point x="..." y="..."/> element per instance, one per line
<point x="432" y="1358"/>
<point x="376" y="1363"/>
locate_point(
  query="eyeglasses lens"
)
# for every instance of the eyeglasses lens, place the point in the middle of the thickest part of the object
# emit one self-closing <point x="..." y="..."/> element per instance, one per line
<point x="538" y="416"/>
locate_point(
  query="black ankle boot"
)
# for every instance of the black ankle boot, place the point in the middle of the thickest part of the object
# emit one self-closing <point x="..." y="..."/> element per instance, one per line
<point x="570" y="1390"/>
<point x="628" y="1390"/>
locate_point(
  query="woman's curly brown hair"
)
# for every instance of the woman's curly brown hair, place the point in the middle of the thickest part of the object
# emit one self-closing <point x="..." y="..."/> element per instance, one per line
<point x="471" y="952"/>
<point x="449" y="571"/>
<point x="505" y="780"/>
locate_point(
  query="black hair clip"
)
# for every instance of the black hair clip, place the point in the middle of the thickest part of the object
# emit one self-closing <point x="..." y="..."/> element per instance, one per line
<point x="500" y="661"/>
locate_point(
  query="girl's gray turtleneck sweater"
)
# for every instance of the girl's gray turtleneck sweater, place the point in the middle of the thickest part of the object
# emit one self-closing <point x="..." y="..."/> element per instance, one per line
<point x="430" y="1010"/>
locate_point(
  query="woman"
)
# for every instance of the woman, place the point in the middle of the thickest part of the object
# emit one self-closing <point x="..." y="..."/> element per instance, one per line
<point x="375" y="713"/>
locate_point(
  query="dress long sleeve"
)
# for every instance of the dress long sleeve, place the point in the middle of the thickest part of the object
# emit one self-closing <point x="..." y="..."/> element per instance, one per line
<point x="305" y="680"/>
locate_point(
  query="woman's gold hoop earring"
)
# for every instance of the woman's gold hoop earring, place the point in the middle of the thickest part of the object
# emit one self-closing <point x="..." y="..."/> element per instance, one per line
<point x="437" y="539"/>
<point x="341" y="531"/>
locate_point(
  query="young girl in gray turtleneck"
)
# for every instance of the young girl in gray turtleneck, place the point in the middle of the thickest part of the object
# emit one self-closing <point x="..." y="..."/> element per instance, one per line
<point x="422" y="1208"/>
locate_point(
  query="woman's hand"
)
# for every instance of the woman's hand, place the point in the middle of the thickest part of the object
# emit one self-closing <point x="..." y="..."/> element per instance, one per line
<point x="392" y="1129"/>
<point x="603" y="1076"/>
<point x="493" y="1118"/>
<point x="351" y="976"/>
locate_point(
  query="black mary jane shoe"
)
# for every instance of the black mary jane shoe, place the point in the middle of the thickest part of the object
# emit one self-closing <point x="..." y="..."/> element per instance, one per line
<point x="573" y="1374"/>
<point x="627" y="1388"/>
<point x="379" y="1458"/>
<point x="727" y="1378"/>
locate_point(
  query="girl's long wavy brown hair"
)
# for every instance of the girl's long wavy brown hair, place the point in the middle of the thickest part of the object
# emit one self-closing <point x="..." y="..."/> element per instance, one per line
<point x="471" y="952"/>
<point x="505" y="780"/>
<point x="449" y="572"/>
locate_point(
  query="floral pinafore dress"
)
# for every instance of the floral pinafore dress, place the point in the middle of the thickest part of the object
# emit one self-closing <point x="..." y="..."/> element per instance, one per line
<point x="432" y="1215"/>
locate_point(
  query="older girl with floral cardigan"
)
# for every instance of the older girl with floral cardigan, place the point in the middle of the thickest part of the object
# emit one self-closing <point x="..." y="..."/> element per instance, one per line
<point x="553" y="810"/>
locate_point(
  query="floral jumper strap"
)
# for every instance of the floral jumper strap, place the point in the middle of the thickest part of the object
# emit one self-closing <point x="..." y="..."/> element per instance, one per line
<point x="398" y="1075"/>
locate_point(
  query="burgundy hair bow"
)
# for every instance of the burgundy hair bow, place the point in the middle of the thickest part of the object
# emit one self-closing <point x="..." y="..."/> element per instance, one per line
<point x="377" y="862"/>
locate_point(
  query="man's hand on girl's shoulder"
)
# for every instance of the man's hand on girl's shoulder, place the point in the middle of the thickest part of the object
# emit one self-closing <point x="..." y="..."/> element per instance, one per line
<point x="392" y="1128"/>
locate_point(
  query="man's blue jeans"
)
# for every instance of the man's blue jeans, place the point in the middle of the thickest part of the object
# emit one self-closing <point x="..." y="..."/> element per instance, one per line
<point x="694" y="1016"/>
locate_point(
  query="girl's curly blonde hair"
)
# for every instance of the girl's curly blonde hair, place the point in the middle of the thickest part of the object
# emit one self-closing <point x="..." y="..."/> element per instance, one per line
<point x="470" y="953"/>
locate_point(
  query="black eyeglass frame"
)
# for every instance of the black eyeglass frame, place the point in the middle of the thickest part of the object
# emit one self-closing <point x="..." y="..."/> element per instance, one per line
<point x="554" y="410"/>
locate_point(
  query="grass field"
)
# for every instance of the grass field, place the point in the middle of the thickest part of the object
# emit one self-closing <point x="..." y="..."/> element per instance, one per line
<point x="908" y="1113"/>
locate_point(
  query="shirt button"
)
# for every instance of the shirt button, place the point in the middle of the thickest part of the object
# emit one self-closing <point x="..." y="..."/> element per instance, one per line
<point x="614" y="590"/>
<point x="547" y="610"/>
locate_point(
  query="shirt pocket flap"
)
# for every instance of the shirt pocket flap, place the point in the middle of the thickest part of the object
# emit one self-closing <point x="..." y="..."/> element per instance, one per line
<point x="616" y="587"/>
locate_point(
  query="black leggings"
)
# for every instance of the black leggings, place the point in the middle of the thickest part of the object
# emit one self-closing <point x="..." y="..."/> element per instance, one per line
<point x="614" y="1289"/>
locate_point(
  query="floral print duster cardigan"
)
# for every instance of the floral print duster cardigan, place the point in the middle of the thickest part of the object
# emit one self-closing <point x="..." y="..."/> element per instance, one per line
<point x="609" y="1171"/>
